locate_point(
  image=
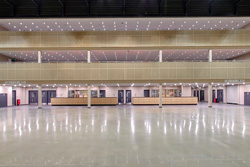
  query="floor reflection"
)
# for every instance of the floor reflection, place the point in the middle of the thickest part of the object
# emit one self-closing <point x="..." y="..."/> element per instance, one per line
<point x="126" y="135"/>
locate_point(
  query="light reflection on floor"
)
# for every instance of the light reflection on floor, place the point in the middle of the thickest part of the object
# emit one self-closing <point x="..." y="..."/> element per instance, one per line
<point x="125" y="136"/>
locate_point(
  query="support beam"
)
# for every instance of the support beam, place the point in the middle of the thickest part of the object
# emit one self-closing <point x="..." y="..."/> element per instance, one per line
<point x="210" y="92"/>
<point x="67" y="91"/>
<point x="160" y="56"/>
<point x="39" y="96"/>
<point x="89" y="96"/>
<point x="89" y="57"/>
<point x="39" y="57"/>
<point x="160" y="95"/>
<point x="210" y="56"/>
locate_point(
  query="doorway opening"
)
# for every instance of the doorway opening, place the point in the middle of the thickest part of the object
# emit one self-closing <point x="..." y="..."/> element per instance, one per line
<point x="13" y="97"/>
<point x="128" y="96"/>
<point x="219" y="96"/>
<point x="202" y="95"/>
<point x="3" y="100"/>
<point x="121" y="96"/>
<point x="146" y="93"/>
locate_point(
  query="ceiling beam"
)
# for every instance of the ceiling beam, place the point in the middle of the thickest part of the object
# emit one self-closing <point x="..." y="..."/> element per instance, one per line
<point x="38" y="7"/>
<point x="63" y="6"/>
<point x="12" y="5"/>
<point x="88" y="7"/>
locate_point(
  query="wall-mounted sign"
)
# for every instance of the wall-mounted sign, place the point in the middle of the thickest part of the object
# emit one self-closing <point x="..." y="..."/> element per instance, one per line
<point x="234" y="81"/>
<point x="15" y="82"/>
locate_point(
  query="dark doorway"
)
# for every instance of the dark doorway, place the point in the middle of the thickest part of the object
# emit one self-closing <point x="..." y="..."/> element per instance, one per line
<point x="121" y="96"/>
<point x="47" y="95"/>
<point x="202" y="95"/>
<point x="51" y="94"/>
<point x="219" y="96"/>
<point x="44" y="97"/>
<point x="102" y="93"/>
<point x="3" y="100"/>
<point x="195" y="93"/>
<point x="198" y="95"/>
<point x="33" y="97"/>
<point x="13" y="97"/>
<point x="146" y="93"/>
<point x="128" y="96"/>
<point x="247" y="98"/>
<point x="213" y="96"/>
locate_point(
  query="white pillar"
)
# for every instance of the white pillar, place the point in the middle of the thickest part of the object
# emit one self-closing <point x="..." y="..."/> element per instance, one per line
<point x="39" y="96"/>
<point x="181" y="91"/>
<point x="67" y="91"/>
<point x="89" y="96"/>
<point x="89" y="57"/>
<point x="160" y="95"/>
<point x="210" y="56"/>
<point x="210" y="92"/>
<point x="160" y="56"/>
<point x="39" y="57"/>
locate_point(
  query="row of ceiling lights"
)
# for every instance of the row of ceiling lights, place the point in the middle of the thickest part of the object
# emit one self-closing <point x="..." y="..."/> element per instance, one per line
<point x="133" y="84"/>
<point x="169" y="25"/>
<point x="165" y="57"/>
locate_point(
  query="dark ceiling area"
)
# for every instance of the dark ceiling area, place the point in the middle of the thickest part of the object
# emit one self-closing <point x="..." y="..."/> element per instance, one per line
<point x="123" y="8"/>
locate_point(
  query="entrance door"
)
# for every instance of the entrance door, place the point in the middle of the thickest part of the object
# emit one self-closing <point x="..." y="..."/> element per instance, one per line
<point x="51" y="94"/>
<point x="198" y="95"/>
<point x="128" y="96"/>
<point x="121" y="96"/>
<point x="220" y="96"/>
<point x="146" y="93"/>
<point x="13" y="98"/>
<point x="44" y="97"/>
<point x="33" y="97"/>
<point x="202" y="95"/>
<point x="213" y="96"/>
<point x="3" y="100"/>
<point x="195" y="93"/>
<point x="247" y="98"/>
<point x="102" y="93"/>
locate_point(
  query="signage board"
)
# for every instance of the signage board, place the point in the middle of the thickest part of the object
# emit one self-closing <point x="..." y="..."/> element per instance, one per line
<point x="14" y="82"/>
<point x="234" y="81"/>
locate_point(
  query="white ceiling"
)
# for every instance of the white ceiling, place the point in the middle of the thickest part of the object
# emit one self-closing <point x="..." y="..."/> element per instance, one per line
<point x="125" y="24"/>
<point x="125" y="55"/>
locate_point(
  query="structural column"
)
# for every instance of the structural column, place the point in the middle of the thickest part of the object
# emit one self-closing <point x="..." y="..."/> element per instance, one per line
<point x="89" y="96"/>
<point x="160" y="95"/>
<point x="39" y="96"/>
<point x="160" y="56"/>
<point x="67" y="91"/>
<point x="210" y="56"/>
<point x="39" y="56"/>
<point x="89" y="57"/>
<point x="210" y="91"/>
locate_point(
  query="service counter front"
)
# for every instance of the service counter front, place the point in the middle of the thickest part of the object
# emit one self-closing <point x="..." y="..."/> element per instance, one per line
<point x="165" y="100"/>
<point x="61" y="101"/>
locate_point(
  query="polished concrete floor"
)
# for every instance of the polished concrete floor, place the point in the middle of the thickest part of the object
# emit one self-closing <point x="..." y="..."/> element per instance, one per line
<point x="131" y="136"/>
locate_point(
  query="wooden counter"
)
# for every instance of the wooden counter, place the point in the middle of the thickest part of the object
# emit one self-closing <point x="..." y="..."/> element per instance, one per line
<point x="170" y="100"/>
<point x="61" y="101"/>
